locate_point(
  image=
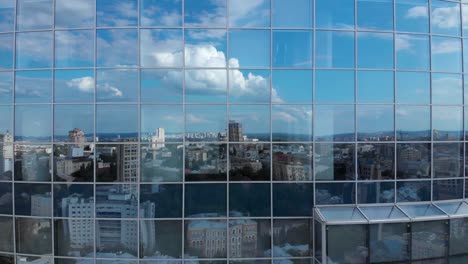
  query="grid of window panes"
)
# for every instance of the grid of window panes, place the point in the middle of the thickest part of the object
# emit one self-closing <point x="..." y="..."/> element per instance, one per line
<point x="190" y="130"/>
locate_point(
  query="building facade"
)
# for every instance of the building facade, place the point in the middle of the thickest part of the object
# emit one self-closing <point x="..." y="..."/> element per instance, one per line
<point x="147" y="131"/>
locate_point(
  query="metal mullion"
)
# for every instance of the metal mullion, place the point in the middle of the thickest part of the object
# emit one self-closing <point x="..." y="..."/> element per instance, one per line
<point x="13" y="133"/>
<point x="228" y="70"/>
<point x="271" y="138"/>
<point x="95" y="222"/>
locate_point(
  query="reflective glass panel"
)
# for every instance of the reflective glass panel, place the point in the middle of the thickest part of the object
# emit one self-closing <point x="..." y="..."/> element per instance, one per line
<point x="6" y="198"/>
<point x="73" y="237"/>
<point x="160" y="123"/>
<point x="32" y="162"/>
<point x="6" y="123"/>
<point x="254" y="121"/>
<point x="6" y="87"/>
<point x="161" y="85"/>
<point x="107" y="246"/>
<point x="334" y="86"/>
<point x="458" y="227"/>
<point x="445" y="18"/>
<point x="6" y="227"/>
<point x="412" y="15"/>
<point x="6" y="50"/>
<point x="74" y="201"/>
<point x="334" y="193"/>
<point x="293" y="237"/>
<point x="116" y="13"/>
<point x="195" y="233"/>
<point x="205" y="162"/>
<point x="447" y="123"/>
<point x="74" y="86"/>
<point x="252" y="86"/>
<point x="413" y="160"/>
<point x="117" y="47"/>
<point x="117" y="162"/>
<point x="160" y="201"/>
<point x="34" y="49"/>
<point x="249" y="13"/>
<point x="205" y="13"/>
<point x="334" y="123"/>
<point x="285" y="81"/>
<point x="374" y="45"/>
<point x="413" y="123"/>
<point x="74" y="13"/>
<point x="292" y="162"/>
<point x="161" y="162"/>
<point x="334" y="14"/>
<point x="116" y="123"/>
<point x="116" y="85"/>
<point x="74" y="162"/>
<point x="205" y="122"/>
<point x="249" y="199"/>
<point x="33" y="199"/>
<point x="291" y="122"/>
<point x="376" y="192"/>
<point x="447" y="89"/>
<point x="413" y="87"/>
<point x="334" y="49"/>
<point x="74" y="48"/>
<point x="446" y="54"/>
<point x="250" y="48"/>
<point x="205" y="200"/>
<point x="334" y="162"/>
<point x="33" y="123"/>
<point x="36" y="14"/>
<point x="160" y="239"/>
<point x="206" y="47"/>
<point x="428" y="234"/>
<point x="448" y="160"/>
<point x="7" y="15"/>
<point x="249" y="162"/>
<point x="375" y="123"/>
<point x="74" y="123"/>
<point x="33" y="87"/>
<point x="249" y="238"/>
<point x="376" y="161"/>
<point x="207" y="86"/>
<point x="33" y="236"/>
<point x="116" y="201"/>
<point x="292" y="49"/>
<point x="375" y="87"/>
<point x="376" y="15"/>
<point x="412" y="52"/>
<point x="285" y="15"/>
<point x="161" y="13"/>
<point x="396" y="234"/>
<point x="341" y="250"/>
<point x="447" y="189"/>
<point x="161" y="48"/>
<point x="300" y="194"/>
<point x="413" y="191"/>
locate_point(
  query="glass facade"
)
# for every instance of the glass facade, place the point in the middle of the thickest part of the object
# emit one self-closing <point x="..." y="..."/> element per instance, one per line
<point x="170" y="131"/>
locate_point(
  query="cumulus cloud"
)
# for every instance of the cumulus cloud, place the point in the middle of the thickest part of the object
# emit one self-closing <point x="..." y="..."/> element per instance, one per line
<point x="249" y="13"/>
<point x="84" y="84"/>
<point x="417" y="12"/>
<point x="74" y="12"/>
<point x="110" y="90"/>
<point x="161" y="13"/>
<point x="446" y="17"/>
<point x="445" y="46"/>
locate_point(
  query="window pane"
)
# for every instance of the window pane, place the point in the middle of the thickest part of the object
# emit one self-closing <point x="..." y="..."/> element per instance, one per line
<point x="376" y="161"/>
<point x="117" y="48"/>
<point x="206" y="85"/>
<point x="291" y="122"/>
<point x="161" y="201"/>
<point x="334" y="123"/>
<point x="74" y="86"/>
<point x="33" y="199"/>
<point x="161" y="48"/>
<point x="33" y="123"/>
<point x="160" y="123"/>
<point x="205" y="162"/>
<point x="66" y="195"/>
<point x="194" y="229"/>
<point x="160" y="239"/>
<point x="447" y="89"/>
<point x="34" y="236"/>
<point x="6" y="227"/>
<point x="412" y="52"/>
<point x="65" y="241"/>
<point x="74" y="123"/>
<point x="413" y="123"/>
<point x="341" y="250"/>
<point x="205" y="47"/>
<point x="413" y="191"/>
<point x="397" y="234"/>
<point x="375" y="87"/>
<point x="33" y="87"/>
<point x="334" y="86"/>
<point x="299" y="15"/>
<point x="249" y="162"/>
<point x="428" y="234"/>
<point x="448" y="160"/>
<point x="334" y="193"/>
<point x="116" y="201"/>
<point x="106" y="245"/>
<point x="458" y="227"/>
<point x="161" y="85"/>
<point x="446" y="54"/>
<point x="7" y="15"/>
<point x="35" y="14"/>
<point x="161" y="13"/>
<point x="116" y="13"/>
<point x="375" y="45"/>
<point x="445" y="18"/>
<point x="205" y="200"/>
<point x="336" y="14"/>
<point x="375" y="123"/>
<point x="6" y="50"/>
<point x="74" y="48"/>
<point x="34" y="50"/>
<point x="254" y="121"/>
<point x="447" y="189"/>
<point x="250" y="48"/>
<point x="413" y="87"/>
<point x="292" y="49"/>
<point x="161" y="162"/>
<point x="334" y="49"/>
<point x="117" y="85"/>
<point x="6" y="123"/>
<point x="447" y="123"/>
<point x="376" y="15"/>
<point x="249" y="14"/>
<point x="293" y="237"/>
<point x="249" y="199"/>
<point x="285" y="81"/>
<point x="413" y="160"/>
<point x="117" y="163"/>
<point x="257" y="241"/>
<point x="74" y="13"/>
<point x="6" y="87"/>
<point x="412" y="15"/>
<point x="334" y="162"/>
<point x="116" y="122"/>
<point x="376" y="192"/>
<point x="6" y="203"/>
<point x="205" y="122"/>
<point x="300" y="194"/>
<point x="205" y="13"/>
<point x="251" y="86"/>
<point x="292" y="162"/>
